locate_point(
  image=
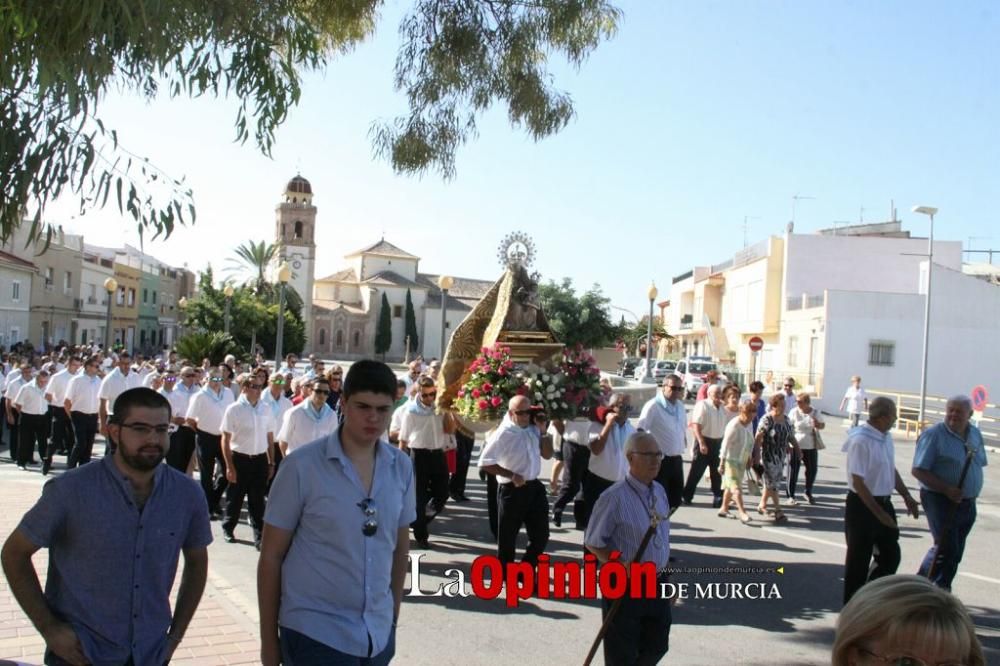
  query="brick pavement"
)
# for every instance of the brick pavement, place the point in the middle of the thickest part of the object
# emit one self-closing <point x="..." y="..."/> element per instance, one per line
<point x="223" y="631"/>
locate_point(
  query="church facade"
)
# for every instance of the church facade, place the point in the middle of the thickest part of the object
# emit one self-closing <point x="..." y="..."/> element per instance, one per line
<point x="341" y="311"/>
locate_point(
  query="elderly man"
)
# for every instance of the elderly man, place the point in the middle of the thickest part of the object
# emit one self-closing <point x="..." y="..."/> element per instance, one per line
<point x="607" y="465"/>
<point x="943" y="450"/>
<point x="640" y="631"/>
<point x="788" y="390"/>
<point x="709" y="424"/>
<point x="413" y="374"/>
<point x="514" y="455"/>
<point x="665" y="418"/>
<point x="869" y="518"/>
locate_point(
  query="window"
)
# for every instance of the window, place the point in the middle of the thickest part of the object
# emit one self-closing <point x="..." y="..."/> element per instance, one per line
<point x="357" y="339"/>
<point x="131" y="297"/>
<point x="67" y="282"/>
<point x="120" y="296"/>
<point x="793" y="351"/>
<point x="340" y="338"/>
<point x="322" y="337"/>
<point x="154" y="298"/>
<point x="397" y="311"/>
<point x="49" y="273"/>
<point x="881" y="352"/>
<point x="298" y="230"/>
<point x="145" y="295"/>
<point x="15" y="291"/>
<point x="92" y="293"/>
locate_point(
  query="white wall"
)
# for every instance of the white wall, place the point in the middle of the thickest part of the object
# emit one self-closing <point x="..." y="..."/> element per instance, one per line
<point x="376" y="264"/>
<point x="814" y="263"/>
<point x="430" y="342"/>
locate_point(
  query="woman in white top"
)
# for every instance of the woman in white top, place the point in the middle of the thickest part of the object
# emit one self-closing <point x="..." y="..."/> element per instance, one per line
<point x="731" y="401"/>
<point x="807" y="423"/>
<point x="737" y="445"/>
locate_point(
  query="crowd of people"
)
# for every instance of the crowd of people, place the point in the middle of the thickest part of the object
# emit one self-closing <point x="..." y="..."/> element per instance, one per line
<point x="338" y="472"/>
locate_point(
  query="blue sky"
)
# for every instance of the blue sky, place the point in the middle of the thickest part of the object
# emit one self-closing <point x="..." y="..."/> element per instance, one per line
<point x="696" y="115"/>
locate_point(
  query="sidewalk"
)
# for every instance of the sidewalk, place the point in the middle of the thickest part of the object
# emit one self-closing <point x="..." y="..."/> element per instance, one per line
<point x="223" y="631"/>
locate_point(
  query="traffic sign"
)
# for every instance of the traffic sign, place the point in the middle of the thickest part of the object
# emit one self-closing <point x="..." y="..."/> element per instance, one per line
<point x="979" y="398"/>
<point x="756" y="343"/>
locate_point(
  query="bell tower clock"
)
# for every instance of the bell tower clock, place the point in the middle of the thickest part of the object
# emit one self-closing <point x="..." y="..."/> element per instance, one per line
<point x="295" y="229"/>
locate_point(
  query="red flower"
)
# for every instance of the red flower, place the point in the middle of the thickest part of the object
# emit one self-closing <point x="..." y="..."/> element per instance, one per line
<point x="476" y="393"/>
<point x="487" y="387"/>
<point x="496" y="401"/>
<point x="502" y="371"/>
<point x="461" y="393"/>
<point x="483" y="405"/>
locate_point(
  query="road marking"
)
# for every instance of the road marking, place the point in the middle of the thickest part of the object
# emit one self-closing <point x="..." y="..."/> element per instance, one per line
<point x="986" y="579"/>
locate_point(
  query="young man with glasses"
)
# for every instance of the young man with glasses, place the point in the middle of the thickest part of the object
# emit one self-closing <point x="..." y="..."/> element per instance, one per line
<point x="665" y="418"/>
<point x="134" y="516"/>
<point x="248" y="448"/>
<point x="179" y="389"/>
<point x="82" y="405"/>
<point x="62" y="428"/>
<point x="205" y="412"/>
<point x="336" y="537"/>
<point x="312" y="419"/>
<point x="425" y="435"/>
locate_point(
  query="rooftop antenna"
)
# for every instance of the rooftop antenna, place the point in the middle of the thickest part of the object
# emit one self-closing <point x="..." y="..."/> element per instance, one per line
<point x="861" y="215"/>
<point x="795" y="201"/>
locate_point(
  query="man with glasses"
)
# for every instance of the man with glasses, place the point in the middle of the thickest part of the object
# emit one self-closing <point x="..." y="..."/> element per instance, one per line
<point x="708" y="421"/>
<point x="179" y="394"/>
<point x="335" y="376"/>
<point x="133" y="516"/>
<point x="425" y="435"/>
<point x="82" y="405"/>
<point x="248" y="448"/>
<point x="514" y="454"/>
<point x="204" y="414"/>
<point x="607" y="465"/>
<point x="334" y="556"/>
<point x="33" y="409"/>
<point x="625" y="512"/>
<point x="275" y="399"/>
<point x="114" y="384"/>
<point x="62" y="428"/>
<point x="791" y="400"/>
<point x="311" y="420"/>
<point x="665" y="418"/>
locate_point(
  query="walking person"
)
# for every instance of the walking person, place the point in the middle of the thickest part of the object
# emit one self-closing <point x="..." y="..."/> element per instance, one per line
<point x="248" y="449"/>
<point x="869" y="517"/>
<point x="465" y="440"/>
<point x="854" y="399"/>
<point x="205" y="412"/>
<point x="308" y="421"/>
<point x="82" y="404"/>
<point x="774" y="438"/>
<point x="734" y="456"/>
<point x="61" y="426"/>
<point x="179" y="395"/>
<point x="336" y="537"/>
<point x="665" y="418"/>
<point x="133" y="516"/>
<point x="950" y="505"/>
<point x="14" y="383"/>
<point x="514" y="455"/>
<point x="120" y="379"/>
<point x="33" y="410"/>
<point x="708" y="421"/>
<point x="807" y="423"/>
<point x="607" y="465"/>
<point x="576" y="438"/>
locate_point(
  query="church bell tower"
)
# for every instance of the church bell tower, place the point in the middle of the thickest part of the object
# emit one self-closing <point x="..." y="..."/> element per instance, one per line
<point x="295" y="230"/>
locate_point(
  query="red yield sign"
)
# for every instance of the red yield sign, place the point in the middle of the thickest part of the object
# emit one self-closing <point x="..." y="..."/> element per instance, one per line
<point x="756" y="343"/>
<point x="979" y="398"/>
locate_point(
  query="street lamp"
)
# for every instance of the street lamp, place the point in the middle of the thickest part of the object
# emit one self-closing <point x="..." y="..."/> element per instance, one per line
<point x="444" y="282"/>
<point x="930" y="211"/>
<point x="284" y="275"/>
<point x="651" y="292"/>
<point x="182" y="304"/>
<point x="228" y="291"/>
<point x="110" y="286"/>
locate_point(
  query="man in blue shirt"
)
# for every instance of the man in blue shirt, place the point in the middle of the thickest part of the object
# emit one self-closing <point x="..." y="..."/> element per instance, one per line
<point x="336" y="537"/>
<point x="114" y="531"/>
<point x="951" y="510"/>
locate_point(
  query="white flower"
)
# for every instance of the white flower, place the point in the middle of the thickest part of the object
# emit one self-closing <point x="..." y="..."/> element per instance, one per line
<point x="565" y="406"/>
<point x="538" y="396"/>
<point x="538" y="382"/>
<point x="550" y="389"/>
<point x="545" y="378"/>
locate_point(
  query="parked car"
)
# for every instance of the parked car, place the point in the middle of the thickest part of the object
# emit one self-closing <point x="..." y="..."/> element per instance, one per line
<point x="662" y="369"/>
<point x="626" y="366"/>
<point x="639" y="373"/>
<point x="693" y="369"/>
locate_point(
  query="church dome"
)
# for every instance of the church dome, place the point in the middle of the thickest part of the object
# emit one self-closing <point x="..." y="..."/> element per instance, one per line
<point x="299" y="185"/>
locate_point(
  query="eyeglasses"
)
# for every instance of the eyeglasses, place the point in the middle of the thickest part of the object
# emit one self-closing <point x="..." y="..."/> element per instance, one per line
<point x="215" y="379"/>
<point x="188" y="376"/>
<point x="789" y="386"/>
<point x="370" y="526"/>
<point x="648" y="454"/>
<point x="336" y="378"/>
<point x="675" y="388"/>
<point x="322" y="391"/>
<point x="524" y="412"/>
<point x="170" y="379"/>
<point x="904" y="660"/>
<point x="145" y="430"/>
<point x="255" y="387"/>
<point x="279" y="382"/>
<point x="432" y="394"/>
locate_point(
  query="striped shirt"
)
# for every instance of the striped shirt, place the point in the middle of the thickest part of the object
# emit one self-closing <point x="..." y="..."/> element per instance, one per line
<point x="621" y="518"/>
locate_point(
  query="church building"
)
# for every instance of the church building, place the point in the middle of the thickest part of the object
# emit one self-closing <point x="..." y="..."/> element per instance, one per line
<point x="341" y="310"/>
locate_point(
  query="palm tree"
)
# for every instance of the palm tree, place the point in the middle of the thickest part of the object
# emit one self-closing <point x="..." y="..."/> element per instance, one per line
<point x="254" y="259"/>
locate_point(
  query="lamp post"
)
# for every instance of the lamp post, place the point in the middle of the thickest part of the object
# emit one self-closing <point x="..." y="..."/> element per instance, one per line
<point x="444" y="282"/>
<point x="651" y="292"/>
<point x="110" y="286"/>
<point x="228" y="292"/>
<point x="284" y="275"/>
<point x="182" y="304"/>
<point x="930" y="211"/>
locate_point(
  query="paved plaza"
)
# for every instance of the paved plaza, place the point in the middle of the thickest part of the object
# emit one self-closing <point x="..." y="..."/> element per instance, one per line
<point x="796" y="628"/>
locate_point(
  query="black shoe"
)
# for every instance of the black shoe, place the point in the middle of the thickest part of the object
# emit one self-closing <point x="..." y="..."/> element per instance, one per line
<point x="228" y="536"/>
<point x="717" y="503"/>
<point x="557" y="519"/>
<point x="215" y="515"/>
<point x="811" y="499"/>
<point x="256" y="544"/>
<point x="46" y="466"/>
<point x="458" y="497"/>
<point x="423" y="544"/>
<point x="686" y="501"/>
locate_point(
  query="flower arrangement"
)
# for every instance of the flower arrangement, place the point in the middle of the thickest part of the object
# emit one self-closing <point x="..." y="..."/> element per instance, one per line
<point x="545" y="387"/>
<point x="492" y="382"/>
<point x="581" y="380"/>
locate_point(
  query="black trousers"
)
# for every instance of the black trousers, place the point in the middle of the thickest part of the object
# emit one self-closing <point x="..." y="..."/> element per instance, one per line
<point x="576" y="457"/>
<point x="864" y="532"/>
<point x="671" y="477"/>
<point x="84" y="432"/>
<point x="430" y="474"/>
<point x="251" y="483"/>
<point x="639" y="635"/>
<point x="527" y="506"/>
<point x="698" y="465"/>
<point x="209" y="454"/>
<point x="593" y="486"/>
<point x="34" y="429"/>
<point x="182" y="444"/>
<point x="62" y="432"/>
<point x="810" y="458"/>
<point x="13" y="438"/>
<point x="492" y="503"/>
<point x="463" y="456"/>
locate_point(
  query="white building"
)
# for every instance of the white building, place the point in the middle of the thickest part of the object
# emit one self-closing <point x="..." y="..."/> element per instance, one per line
<point x="16" y="275"/>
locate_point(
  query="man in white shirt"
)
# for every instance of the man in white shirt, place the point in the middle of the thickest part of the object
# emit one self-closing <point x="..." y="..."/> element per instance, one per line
<point x="411" y="377"/>
<point x="709" y="424"/>
<point x="308" y="421"/>
<point x="869" y="518"/>
<point x="14" y="383"/>
<point x="204" y="414"/>
<point x="788" y="390"/>
<point x="33" y="408"/>
<point x="248" y="448"/>
<point x="514" y="454"/>
<point x="82" y="404"/>
<point x="665" y="418"/>
<point x="854" y="399"/>
<point x="62" y="427"/>
<point x="114" y="384"/>
<point x="424" y="434"/>
<point x="179" y="390"/>
<point x="279" y="405"/>
<point x="607" y="465"/>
